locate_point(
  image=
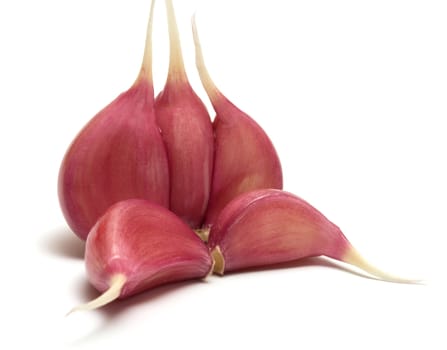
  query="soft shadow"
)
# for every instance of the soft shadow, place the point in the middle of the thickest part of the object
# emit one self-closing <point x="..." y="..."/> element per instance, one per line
<point x="64" y="243"/>
<point x="87" y="292"/>
<point x="111" y="312"/>
<point x="319" y="261"/>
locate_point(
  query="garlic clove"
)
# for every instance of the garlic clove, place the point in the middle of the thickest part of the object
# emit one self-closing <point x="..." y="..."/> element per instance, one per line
<point x="118" y="155"/>
<point x="245" y="158"/>
<point x="267" y="227"/>
<point x="138" y="245"/>
<point x="188" y="136"/>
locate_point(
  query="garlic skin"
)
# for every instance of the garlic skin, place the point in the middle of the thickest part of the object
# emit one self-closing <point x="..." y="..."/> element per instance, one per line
<point x="187" y="134"/>
<point x="244" y="157"/>
<point x="118" y="155"/>
<point x="138" y="245"/>
<point x="267" y="227"/>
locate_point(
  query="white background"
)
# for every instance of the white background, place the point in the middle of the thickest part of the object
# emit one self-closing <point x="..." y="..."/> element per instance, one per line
<point x="353" y="95"/>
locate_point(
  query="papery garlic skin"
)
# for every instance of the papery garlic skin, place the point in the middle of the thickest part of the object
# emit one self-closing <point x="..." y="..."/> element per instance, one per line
<point x="268" y="227"/>
<point x="188" y="136"/>
<point x="147" y="243"/>
<point x="244" y="157"/>
<point x="138" y="245"/>
<point x="118" y="155"/>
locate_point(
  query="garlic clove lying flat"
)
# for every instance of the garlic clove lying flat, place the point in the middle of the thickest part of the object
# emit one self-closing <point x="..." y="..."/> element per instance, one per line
<point x="267" y="227"/>
<point x="138" y="245"/>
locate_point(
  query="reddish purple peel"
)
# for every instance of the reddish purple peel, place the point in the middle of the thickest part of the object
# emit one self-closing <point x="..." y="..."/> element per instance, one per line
<point x="268" y="227"/>
<point x="245" y="158"/>
<point x="188" y="136"/>
<point x="118" y="155"/>
<point x="145" y="244"/>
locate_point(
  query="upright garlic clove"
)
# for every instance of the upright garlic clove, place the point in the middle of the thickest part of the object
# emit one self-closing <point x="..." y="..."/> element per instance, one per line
<point x="267" y="227"/>
<point x="118" y="155"/>
<point x="188" y="136"/>
<point x="245" y="158"/>
<point x="137" y="245"/>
